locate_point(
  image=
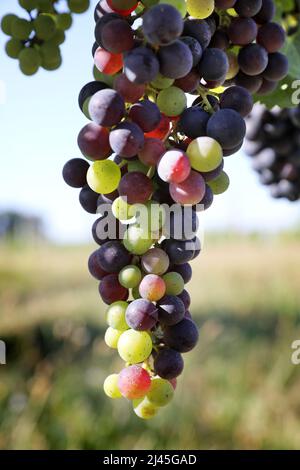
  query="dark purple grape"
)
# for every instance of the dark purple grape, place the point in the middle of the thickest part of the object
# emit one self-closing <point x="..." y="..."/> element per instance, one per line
<point x="227" y="127"/>
<point x="141" y="65"/>
<point x="135" y="187"/>
<point x="266" y="13"/>
<point x="74" y="172"/>
<point x="186" y="299"/>
<point x="162" y="24"/>
<point x="111" y="290"/>
<point x="113" y="256"/>
<point x="179" y="251"/>
<point x="117" y="36"/>
<point x="213" y="65"/>
<point x="175" y="60"/>
<point x="126" y="139"/>
<point x="251" y="83"/>
<point x="242" y="31"/>
<point x="168" y="364"/>
<point x="182" y="337"/>
<point x="277" y="68"/>
<point x="88" y="200"/>
<point x="193" y="122"/>
<point x="253" y="59"/>
<point x="271" y="36"/>
<point x="94" y="267"/>
<point x="247" y="8"/>
<point x="141" y="315"/>
<point x="145" y="114"/>
<point x="237" y="98"/>
<point x="199" y="30"/>
<point x="107" y="107"/>
<point x="195" y="48"/>
<point x="89" y="90"/>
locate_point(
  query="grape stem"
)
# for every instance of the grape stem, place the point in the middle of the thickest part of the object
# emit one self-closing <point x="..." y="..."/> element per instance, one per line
<point x="205" y="100"/>
<point x="151" y="172"/>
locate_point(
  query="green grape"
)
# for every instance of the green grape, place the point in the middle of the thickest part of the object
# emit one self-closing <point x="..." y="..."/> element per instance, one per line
<point x="144" y="409"/>
<point x="85" y="108"/>
<point x="28" y="69"/>
<point x="134" y="346"/>
<point x="180" y="5"/>
<point x="13" y="48"/>
<point x="174" y="283"/>
<point x="21" y="29"/>
<point x="30" y="58"/>
<point x="200" y="8"/>
<point x="136" y="165"/>
<point x="78" y="6"/>
<point x="115" y="315"/>
<point x="162" y="82"/>
<point x="44" y="26"/>
<point x="64" y="21"/>
<point x="112" y="337"/>
<point x="137" y="240"/>
<point x="29" y="4"/>
<point x="45" y="6"/>
<point x="6" y="23"/>
<point x="149" y="3"/>
<point x="103" y="176"/>
<point x="110" y="386"/>
<point x="151" y="215"/>
<point x="130" y="276"/>
<point x="161" y="392"/>
<point x="58" y="38"/>
<point x="49" y="51"/>
<point x="205" y="154"/>
<point x="171" y="101"/>
<point x="120" y="209"/>
<point x="233" y="65"/>
<point x="103" y="77"/>
<point x="52" y="64"/>
<point x="136" y="293"/>
<point x="220" y="184"/>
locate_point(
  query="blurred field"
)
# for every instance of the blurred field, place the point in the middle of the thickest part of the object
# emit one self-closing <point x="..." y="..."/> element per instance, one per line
<point x="239" y="388"/>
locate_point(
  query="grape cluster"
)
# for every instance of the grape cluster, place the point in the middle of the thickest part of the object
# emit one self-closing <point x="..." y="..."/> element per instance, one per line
<point x="36" y="41"/>
<point x="274" y="145"/>
<point x="148" y="153"/>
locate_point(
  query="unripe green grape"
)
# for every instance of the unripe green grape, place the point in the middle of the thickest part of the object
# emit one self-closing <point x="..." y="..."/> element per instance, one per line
<point x="137" y="240"/>
<point x="134" y="346"/>
<point x="205" y="154"/>
<point x="136" y="165"/>
<point x="130" y="276"/>
<point x="58" y="38"/>
<point x="136" y="293"/>
<point x="220" y="184"/>
<point x="85" y="108"/>
<point x="180" y="5"/>
<point x="112" y="337"/>
<point x="64" y="21"/>
<point x="110" y="386"/>
<point x="144" y="409"/>
<point x="149" y="3"/>
<point x="120" y="209"/>
<point x="52" y="63"/>
<point x="21" y="29"/>
<point x="28" y="69"/>
<point x="49" y="51"/>
<point x="171" y="101"/>
<point x="200" y="8"/>
<point x="161" y="392"/>
<point x="115" y="315"/>
<point x="162" y="82"/>
<point x="78" y="6"/>
<point x="44" y="26"/>
<point x="103" y="77"/>
<point x="174" y="283"/>
<point x="6" y="23"/>
<point x="29" y="4"/>
<point x="103" y="176"/>
<point x="45" y="6"/>
<point x="29" y="57"/>
<point x="13" y="48"/>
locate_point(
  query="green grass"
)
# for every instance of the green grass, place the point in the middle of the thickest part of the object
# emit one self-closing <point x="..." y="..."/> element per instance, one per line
<point x="239" y="388"/>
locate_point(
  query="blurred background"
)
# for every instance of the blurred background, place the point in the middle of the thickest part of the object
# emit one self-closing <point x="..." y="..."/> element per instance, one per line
<point x="239" y="388"/>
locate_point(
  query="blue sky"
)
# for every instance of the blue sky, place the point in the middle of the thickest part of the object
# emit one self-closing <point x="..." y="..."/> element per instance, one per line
<point x="40" y="120"/>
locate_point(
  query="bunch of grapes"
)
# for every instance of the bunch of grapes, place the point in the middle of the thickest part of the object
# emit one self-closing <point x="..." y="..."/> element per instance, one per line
<point x="274" y="145"/>
<point x="257" y="63"/>
<point x="150" y="153"/>
<point x="36" y="41"/>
